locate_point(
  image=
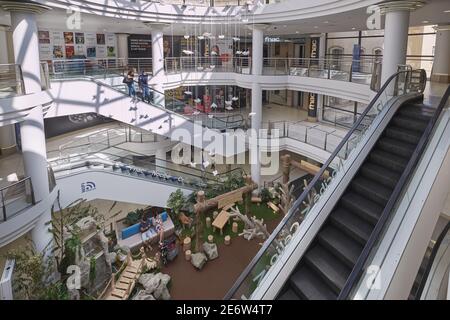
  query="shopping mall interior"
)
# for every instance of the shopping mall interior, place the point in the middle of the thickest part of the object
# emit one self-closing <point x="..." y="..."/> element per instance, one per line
<point x="224" y="149"/>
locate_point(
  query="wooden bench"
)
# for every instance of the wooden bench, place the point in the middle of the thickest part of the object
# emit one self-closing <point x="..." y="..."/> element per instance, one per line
<point x="256" y="200"/>
<point x="221" y="220"/>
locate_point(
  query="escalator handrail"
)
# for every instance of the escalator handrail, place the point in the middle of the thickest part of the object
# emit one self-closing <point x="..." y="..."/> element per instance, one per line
<point x="308" y="189"/>
<point x="402" y="182"/>
<point x="434" y="252"/>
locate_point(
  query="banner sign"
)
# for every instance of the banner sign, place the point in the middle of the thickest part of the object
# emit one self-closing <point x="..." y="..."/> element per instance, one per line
<point x="139" y="46"/>
<point x="314" y="50"/>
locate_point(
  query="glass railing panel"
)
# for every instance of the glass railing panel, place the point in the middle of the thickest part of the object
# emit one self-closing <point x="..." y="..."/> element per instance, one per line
<point x="15" y="198"/>
<point x="11" y="80"/>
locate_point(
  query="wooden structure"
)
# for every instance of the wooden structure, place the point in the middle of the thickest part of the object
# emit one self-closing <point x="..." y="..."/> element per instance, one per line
<point x="122" y="288"/>
<point x="287" y="163"/>
<point x="221" y="202"/>
<point x="221" y="221"/>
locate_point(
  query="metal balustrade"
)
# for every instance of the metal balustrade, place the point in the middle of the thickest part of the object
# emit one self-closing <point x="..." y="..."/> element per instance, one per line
<point x="11" y="80"/>
<point x="16" y="197"/>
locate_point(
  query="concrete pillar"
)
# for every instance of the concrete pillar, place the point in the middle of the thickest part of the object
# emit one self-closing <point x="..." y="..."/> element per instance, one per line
<point x="441" y="64"/>
<point x="158" y="63"/>
<point x="26" y="54"/>
<point x="257" y="48"/>
<point x="35" y="164"/>
<point x="122" y="48"/>
<point x="3" y="45"/>
<point x="395" y="35"/>
<point x="26" y="48"/>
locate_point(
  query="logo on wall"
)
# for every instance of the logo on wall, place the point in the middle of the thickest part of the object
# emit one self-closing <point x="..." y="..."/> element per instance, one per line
<point x="87" y="186"/>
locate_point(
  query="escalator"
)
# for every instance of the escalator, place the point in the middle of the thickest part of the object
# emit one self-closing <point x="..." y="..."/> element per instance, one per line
<point x="324" y="269"/>
<point x="320" y="248"/>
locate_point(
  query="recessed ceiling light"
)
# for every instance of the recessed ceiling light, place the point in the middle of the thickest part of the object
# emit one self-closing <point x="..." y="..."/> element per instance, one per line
<point x="325" y="21"/>
<point x="447" y="11"/>
<point x="297" y="32"/>
<point x="353" y="28"/>
<point x="284" y="26"/>
<point x="315" y="27"/>
<point x="425" y="21"/>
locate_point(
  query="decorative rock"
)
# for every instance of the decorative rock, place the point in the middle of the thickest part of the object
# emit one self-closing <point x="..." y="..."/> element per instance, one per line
<point x="208" y="222"/>
<point x="143" y="295"/>
<point x="155" y="285"/>
<point x="210" y="238"/>
<point x="227" y="240"/>
<point x="198" y="260"/>
<point x="234" y="227"/>
<point x="186" y="243"/>
<point x="187" y="255"/>
<point x="210" y="250"/>
<point x="112" y="257"/>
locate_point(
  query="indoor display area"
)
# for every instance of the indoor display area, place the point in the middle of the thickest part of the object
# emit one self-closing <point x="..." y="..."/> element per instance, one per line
<point x="224" y="150"/>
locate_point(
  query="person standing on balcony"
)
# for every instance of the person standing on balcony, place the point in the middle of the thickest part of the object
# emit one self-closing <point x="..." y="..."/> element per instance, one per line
<point x="143" y="86"/>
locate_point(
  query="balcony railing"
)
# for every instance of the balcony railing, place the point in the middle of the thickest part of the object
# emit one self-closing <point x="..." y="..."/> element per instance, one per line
<point x="15" y="198"/>
<point x="11" y="80"/>
<point x="208" y="64"/>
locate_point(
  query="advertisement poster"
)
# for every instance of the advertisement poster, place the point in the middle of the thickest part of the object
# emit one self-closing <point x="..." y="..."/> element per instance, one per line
<point x="70" y="51"/>
<point x="58" y="52"/>
<point x="111" y="39"/>
<point x="79" y="38"/>
<point x="91" y="52"/>
<point x="101" y="52"/>
<point x="57" y="38"/>
<point x="44" y="37"/>
<point x="356" y="56"/>
<point x="100" y="38"/>
<point x="111" y="52"/>
<point x="68" y="37"/>
<point x="139" y="46"/>
<point x="225" y="51"/>
<point x="90" y="39"/>
<point x="45" y="52"/>
<point x="312" y="106"/>
<point x="79" y="50"/>
<point x="314" y="53"/>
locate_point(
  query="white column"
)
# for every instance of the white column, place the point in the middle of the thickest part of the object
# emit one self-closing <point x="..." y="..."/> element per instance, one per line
<point x="441" y="64"/>
<point x="257" y="48"/>
<point x="35" y="163"/>
<point x="395" y="35"/>
<point x="26" y="53"/>
<point x="158" y="64"/>
<point x="122" y="46"/>
<point x="7" y="132"/>
<point x="26" y="48"/>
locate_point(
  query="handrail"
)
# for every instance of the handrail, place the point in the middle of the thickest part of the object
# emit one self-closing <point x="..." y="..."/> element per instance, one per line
<point x="405" y="177"/>
<point x="29" y="203"/>
<point x="434" y="252"/>
<point x="296" y="205"/>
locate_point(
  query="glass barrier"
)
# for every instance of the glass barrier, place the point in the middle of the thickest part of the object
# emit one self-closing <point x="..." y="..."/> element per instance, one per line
<point x="11" y="80"/>
<point x="15" y="198"/>
<point x="275" y="245"/>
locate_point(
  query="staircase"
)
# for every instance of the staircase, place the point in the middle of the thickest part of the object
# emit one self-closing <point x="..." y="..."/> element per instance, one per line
<point x="325" y="267"/>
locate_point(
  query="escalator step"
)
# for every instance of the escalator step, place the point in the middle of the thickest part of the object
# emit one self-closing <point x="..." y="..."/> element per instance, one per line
<point x="308" y="285"/>
<point x="409" y="123"/>
<point x="365" y="208"/>
<point x="408" y="136"/>
<point x="352" y="225"/>
<point x="330" y="269"/>
<point x="416" y="112"/>
<point x="380" y="174"/>
<point x="397" y="147"/>
<point x="289" y="295"/>
<point x="341" y="245"/>
<point x="388" y="160"/>
<point x="371" y="190"/>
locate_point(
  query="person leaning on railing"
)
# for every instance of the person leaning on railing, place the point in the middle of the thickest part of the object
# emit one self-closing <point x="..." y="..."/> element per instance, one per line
<point x="143" y="86"/>
<point x="129" y="81"/>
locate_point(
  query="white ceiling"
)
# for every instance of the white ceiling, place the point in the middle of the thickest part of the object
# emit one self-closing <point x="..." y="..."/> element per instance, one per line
<point x="432" y="13"/>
